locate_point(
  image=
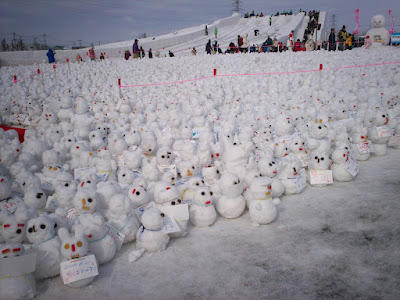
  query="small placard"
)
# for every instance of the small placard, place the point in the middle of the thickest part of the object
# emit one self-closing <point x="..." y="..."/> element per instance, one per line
<point x="102" y="176"/>
<point x="132" y="147"/>
<point x="169" y="223"/>
<point x="299" y="182"/>
<point x="321" y="177"/>
<point x="18" y="265"/>
<point x="167" y="168"/>
<point x="52" y="204"/>
<point x="352" y="167"/>
<point x="178" y="212"/>
<point x="304" y="158"/>
<point x="140" y="210"/>
<point x="80" y="268"/>
<point x="71" y="214"/>
<point x="383" y="131"/>
<point x="118" y="106"/>
<point x="11" y="204"/>
<point x="365" y="147"/>
<point x="80" y="171"/>
<point x="394" y="140"/>
<point x="117" y="235"/>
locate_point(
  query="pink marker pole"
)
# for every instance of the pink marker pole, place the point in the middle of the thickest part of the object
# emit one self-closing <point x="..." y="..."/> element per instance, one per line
<point x="69" y="70"/>
<point x="15" y="86"/>
<point x="55" y="74"/>
<point x="40" y="81"/>
<point x="119" y="87"/>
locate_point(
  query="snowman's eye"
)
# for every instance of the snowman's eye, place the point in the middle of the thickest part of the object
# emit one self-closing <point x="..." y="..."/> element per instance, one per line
<point x="173" y="203"/>
<point x="90" y="200"/>
<point x="319" y="127"/>
<point x="137" y="193"/>
<point x="162" y="156"/>
<point x="88" y="181"/>
<point x="217" y="171"/>
<point x="316" y="157"/>
<point x="66" y="246"/>
<point x="296" y="143"/>
<point x="66" y="184"/>
<point x="270" y="164"/>
<point x="383" y="116"/>
<point x="43" y="226"/>
<point x="322" y="158"/>
<point x="193" y="167"/>
<point x="173" y="178"/>
<point x="197" y="183"/>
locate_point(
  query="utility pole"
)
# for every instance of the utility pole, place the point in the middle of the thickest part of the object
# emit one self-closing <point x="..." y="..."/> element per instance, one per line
<point x="80" y="43"/>
<point x="44" y="37"/>
<point x="236" y="6"/>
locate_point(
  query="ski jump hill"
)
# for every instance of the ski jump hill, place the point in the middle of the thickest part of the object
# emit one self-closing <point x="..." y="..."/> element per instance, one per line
<point x="181" y="42"/>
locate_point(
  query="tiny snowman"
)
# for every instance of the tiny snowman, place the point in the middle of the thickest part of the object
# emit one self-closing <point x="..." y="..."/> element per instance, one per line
<point x="65" y="189"/>
<point x="85" y="203"/>
<point x="15" y="287"/>
<point x="122" y="217"/>
<point x="380" y="133"/>
<point x="269" y="168"/>
<point x="360" y="146"/>
<point x="262" y="208"/>
<point x="35" y="198"/>
<point x="299" y="149"/>
<point x="125" y="177"/>
<point x="202" y="213"/>
<point x="344" y="168"/>
<point x="41" y="232"/>
<point x="75" y="246"/>
<point x="101" y="244"/>
<point x="231" y="204"/>
<point x="150" y="235"/>
<point x="292" y="179"/>
<point x="188" y="189"/>
<point x="319" y="168"/>
<point x="13" y="226"/>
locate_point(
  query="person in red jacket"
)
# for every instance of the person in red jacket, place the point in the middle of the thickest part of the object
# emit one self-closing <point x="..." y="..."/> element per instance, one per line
<point x="91" y="53"/>
<point x="297" y="46"/>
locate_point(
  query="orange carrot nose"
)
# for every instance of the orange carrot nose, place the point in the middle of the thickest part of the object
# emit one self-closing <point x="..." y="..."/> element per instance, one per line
<point x="189" y="173"/>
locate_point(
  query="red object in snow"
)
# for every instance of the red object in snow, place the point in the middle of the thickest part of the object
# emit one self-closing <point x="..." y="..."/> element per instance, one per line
<point x="21" y="131"/>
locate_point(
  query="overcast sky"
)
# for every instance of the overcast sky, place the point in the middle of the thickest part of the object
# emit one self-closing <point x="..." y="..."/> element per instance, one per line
<point x="65" y="22"/>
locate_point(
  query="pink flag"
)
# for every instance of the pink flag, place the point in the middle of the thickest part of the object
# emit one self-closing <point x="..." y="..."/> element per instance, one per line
<point x="356" y="14"/>
<point x="392" y="28"/>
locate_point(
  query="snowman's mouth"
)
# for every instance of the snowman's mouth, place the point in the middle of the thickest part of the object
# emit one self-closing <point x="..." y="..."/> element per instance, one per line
<point x="74" y="256"/>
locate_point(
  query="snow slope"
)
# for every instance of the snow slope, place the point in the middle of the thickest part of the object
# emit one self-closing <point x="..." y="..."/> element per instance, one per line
<point x="180" y="42"/>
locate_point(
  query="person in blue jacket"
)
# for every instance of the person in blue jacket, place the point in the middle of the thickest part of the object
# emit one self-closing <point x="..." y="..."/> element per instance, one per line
<point x="50" y="55"/>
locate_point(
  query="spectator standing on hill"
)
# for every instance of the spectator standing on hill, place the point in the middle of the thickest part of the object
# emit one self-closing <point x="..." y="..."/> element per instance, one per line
<point x="102" y="56"/>
<point x="170" y="54"/>
<point x="215" y="32"/>
<point x="208" y="47"/>
<point x="206" y="30"/>
<point x="194" y="51"/>
<point x="150" y="53"/>
<point x="50" y="56"/>
<point x="332" y="40"/>
<point x="270" y="21"/>
<point x="342" y="35"/>
<point x="127" y="54"/>
<point x="275" y="44"/>
<point x="135" y="49"/>
<point x="349" y="42"/>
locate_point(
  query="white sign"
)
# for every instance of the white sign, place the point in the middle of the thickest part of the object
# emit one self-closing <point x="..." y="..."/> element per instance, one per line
<point x="383" y="131"/>
<point x="304" y="158"/>
<point x="178" y="212"/>
<point x="352" y="167"/>
<point x="80" y="171"/>
<point x="117" y="235"/>
<point x="51" y="204"/>
<point x="78" y="269"/>
<point x="18" y="265"/>
<point x="394" y="140"/>
<point x="71" y="214"/>
<point x="321" y="177"/>
<point x="11" y="204"/>
<point x="167" y="168"/>
<point x="299" y="182"/>
<point x="365" y="147"/>
<point x="102" y="176"/>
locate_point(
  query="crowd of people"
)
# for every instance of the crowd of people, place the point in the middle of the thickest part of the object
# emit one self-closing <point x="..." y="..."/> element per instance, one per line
<point x="344" y="40"/>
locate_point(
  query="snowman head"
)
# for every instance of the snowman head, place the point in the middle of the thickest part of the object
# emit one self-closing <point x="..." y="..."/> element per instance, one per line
<point x="378" y="21"/>
<point x="40" y="229"/>
<point x="203" y="196"/>
<point x="85" y="201"/>
<point x="152" y="219"/>
<point x="73" y="245"/>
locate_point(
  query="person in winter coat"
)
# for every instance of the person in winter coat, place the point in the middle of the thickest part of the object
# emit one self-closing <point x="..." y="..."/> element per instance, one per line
<point x="215" y="32"/>
<point x="194" y="52"/>
<point x="342" y="35"/>
<point x="150" y="53"/>
<point x="349" y="42"/>
<point x="127" y="55"/>
<point x="297" y="46"/>
<point x="171" y="54"/>
<point x="135" y="49"/>
<point x="275" y="44"/>
<point x="92" y="54"/>
<point x="332" y="40"/>
<point x="50" y="55"/>
<point x="206" y="30"/>
<point x="208" y="47"/>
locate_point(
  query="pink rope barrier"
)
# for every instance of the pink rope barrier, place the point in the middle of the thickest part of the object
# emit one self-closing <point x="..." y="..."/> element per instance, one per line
<point x="257" y="74"/>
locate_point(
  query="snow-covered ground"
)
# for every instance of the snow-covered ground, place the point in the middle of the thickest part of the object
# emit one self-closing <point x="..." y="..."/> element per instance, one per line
<point x="339" y="241"/>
